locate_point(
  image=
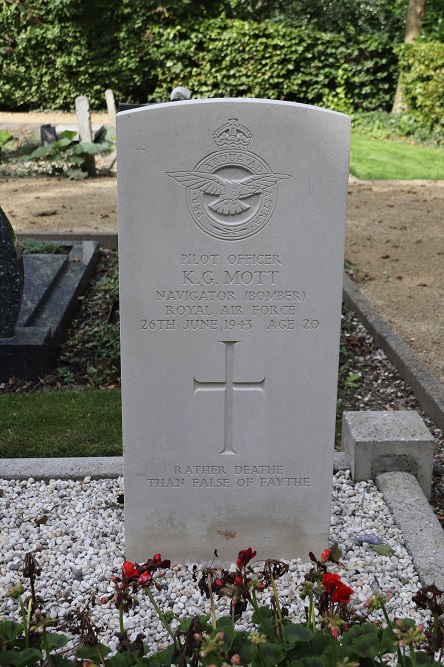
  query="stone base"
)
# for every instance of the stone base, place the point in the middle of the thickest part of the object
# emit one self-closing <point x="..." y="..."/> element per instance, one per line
<point x="379" y="442"/>
<point x="52" y="286"/>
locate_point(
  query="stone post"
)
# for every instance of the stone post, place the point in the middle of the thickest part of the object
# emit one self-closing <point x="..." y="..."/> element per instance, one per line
<point x="85" y="131"/>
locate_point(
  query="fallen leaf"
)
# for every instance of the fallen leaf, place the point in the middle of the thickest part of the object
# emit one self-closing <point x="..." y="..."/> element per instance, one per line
<point x="383" y="549"/>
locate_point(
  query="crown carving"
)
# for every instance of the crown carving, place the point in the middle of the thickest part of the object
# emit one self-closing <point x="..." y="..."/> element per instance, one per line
<point x="232" y="135"/>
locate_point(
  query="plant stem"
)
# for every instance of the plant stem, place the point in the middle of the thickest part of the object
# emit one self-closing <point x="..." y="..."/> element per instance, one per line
<point x="121" y="628"/>
<point x="46" y="645"/>
<point x="25" y="621"/>
<point x="333" y="650"/>
<point x="312" y="616"/>
<point x="276" y="599"/>
<point x="390" y="626"/>
<point x="213" y="610"/>
<point x="122" y="632"/>
<point x="160" y="615"/>
<point x="413" y="656"/>
<point x="260" y="655"/>
<point x="435" y="633"/>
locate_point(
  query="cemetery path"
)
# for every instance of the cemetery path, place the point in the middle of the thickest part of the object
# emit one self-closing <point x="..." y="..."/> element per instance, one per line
<point x="395" y="242"/>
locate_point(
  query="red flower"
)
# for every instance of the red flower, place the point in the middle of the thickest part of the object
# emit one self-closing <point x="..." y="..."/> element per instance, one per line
<point x="325" y="555"/>
<point x="244" y="556"/>
<point x="157" y="558"/>
<point x="342" y="593"/>
<point x="145" y="579"/>
<point x="330" y="581"/>
<point x="238" y="581"/>
<point x="337" y="590"/>
<point x="129" y="569"/>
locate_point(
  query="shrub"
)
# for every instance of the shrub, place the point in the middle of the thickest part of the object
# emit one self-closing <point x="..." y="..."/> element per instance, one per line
<point x="422" y="79"/>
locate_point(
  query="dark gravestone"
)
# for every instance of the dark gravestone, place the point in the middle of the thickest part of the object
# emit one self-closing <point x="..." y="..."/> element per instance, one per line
<point x="52" y="286"/>
<point x="11" y="278"/>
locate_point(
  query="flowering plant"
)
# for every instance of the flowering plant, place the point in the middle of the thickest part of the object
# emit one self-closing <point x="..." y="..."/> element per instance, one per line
<point x="333" y="634"/>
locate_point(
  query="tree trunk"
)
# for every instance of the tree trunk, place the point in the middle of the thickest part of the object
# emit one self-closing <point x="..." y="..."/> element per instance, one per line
<point x="415" y="14"/>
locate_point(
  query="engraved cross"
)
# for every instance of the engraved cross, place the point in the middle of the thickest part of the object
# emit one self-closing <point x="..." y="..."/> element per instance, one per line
<point x="229" y="386"/>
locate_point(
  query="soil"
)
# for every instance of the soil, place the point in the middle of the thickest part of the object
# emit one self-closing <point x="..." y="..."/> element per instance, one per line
<point x="394" y="246"/>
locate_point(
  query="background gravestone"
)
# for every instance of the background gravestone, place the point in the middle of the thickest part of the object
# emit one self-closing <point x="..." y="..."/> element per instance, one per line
<point x="11" y="278"/>
<point x="231" y="237"/>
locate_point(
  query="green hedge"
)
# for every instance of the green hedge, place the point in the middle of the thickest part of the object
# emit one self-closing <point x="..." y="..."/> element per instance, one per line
<point x="422" y="79"/>
<point x="275" y="60"/>
<point x="145" y="59"/>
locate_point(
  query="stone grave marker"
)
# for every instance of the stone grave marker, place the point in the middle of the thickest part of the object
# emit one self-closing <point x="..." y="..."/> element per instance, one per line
<point x="231" y="241"/>
<point x="38" y="296"/>
<point x="11" y="278"/>
<point x="83" y="114"/>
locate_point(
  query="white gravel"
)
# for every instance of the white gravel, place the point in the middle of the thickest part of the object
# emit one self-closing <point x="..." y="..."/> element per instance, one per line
<point x="75" y="529"/>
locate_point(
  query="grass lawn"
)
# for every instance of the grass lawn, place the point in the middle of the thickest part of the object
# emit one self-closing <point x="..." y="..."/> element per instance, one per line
<point x="61" y="423"/>
<point x="382" y="159"/>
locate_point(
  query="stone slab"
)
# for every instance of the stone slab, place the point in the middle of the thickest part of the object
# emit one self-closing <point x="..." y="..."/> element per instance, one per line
<point x="422" y="532"/>
<point x="427" y="389"/>
<point x="49" y="300"/>
<point x="231" y="233"/>
<point x="383" y="441"/>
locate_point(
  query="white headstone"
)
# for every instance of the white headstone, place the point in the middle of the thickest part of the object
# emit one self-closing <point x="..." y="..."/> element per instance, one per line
<point x="111" y="106"/>
<point x="231" y="240"/>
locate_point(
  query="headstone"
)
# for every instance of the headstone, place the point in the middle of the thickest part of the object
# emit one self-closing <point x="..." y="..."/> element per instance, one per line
<point x="231" y="244"/>
<point x="180" y="93"/>
<point x="48" y="134"/>
<point x="111" y="106"/>
<point x="85" y="130"/>
<point x="11" y="278"/>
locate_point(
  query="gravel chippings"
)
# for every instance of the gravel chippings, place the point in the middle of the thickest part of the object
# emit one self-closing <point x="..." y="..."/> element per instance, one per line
<point x="75" y="529"/>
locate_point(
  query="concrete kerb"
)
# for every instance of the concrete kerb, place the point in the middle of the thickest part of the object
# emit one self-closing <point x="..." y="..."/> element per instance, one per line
<point x="423" y="534"/>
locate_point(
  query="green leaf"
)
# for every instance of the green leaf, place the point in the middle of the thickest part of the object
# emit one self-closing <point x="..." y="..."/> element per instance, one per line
<point x="366" y="646"/>
<point x="56" y="640"/>
<point x="263" y="617"/>
<point x="68" y="134"/>
<point x="268" y="655"/>
<point x="311" y="661"/>
<point x="243" y="646"/>
<point x="87" y="147"/>
<point x="76" y="174"/>
<point x="75" y="159"/>
<point x="357" y="631"/>
<point x="64" y="142"/>
<point x="25" y="658"/>
<point x="296" y="633"/>
<point x="9" y="630"/>
<point x="38" y="152"/>
<point x="118" y="660"/>
<point x="223" y="621"/>
<point x="383" y="549"/>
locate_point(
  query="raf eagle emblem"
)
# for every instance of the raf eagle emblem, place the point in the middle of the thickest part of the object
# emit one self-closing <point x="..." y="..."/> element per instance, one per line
<point x="229" y="192"/>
